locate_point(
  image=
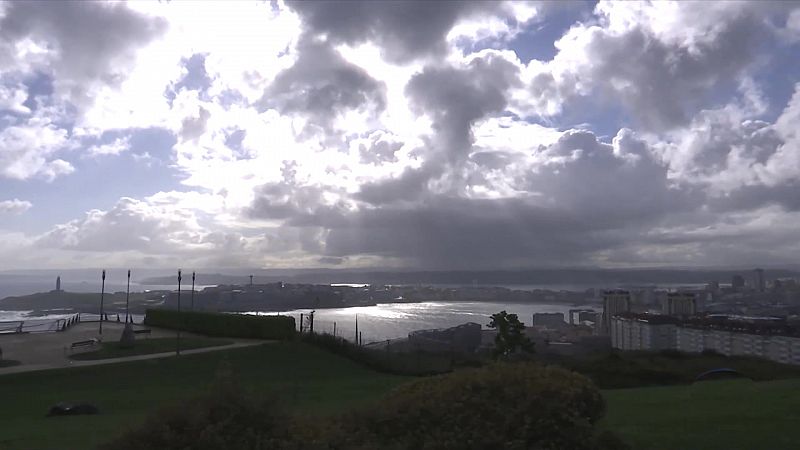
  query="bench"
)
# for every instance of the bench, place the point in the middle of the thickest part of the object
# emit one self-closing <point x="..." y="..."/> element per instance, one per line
<point x="81" y="344"/>
<point x="146" y="331"/>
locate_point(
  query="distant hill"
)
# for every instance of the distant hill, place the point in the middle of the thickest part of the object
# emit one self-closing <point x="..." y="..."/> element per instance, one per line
<point x="71" y="302"/>
<point x="588" y="277"/>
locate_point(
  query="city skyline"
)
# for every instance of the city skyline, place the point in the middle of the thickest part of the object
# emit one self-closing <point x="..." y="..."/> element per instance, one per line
<point x="440" y="135"/>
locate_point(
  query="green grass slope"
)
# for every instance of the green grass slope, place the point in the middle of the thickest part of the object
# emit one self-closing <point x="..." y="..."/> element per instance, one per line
<point x="304" y="378"/>
<point x="731" y="415"/>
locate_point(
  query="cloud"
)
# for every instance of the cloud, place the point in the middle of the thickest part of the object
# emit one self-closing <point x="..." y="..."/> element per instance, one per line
<point x="406" y="133"/>
<point x="660" y="60"/>
<point x="405" y="30"/>
<point x="56" y="38"/>
<point x="13" y="97"/>
<point x="115" y="147"/>
<point x="726" y="151"/>
<point x="29" y="148"/>
<point x="14" y="206"/>
<point x="322" y="85"/>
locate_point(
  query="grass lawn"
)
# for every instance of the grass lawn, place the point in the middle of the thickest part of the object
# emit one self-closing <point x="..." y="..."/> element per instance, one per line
<point x="305" y="378"/>
<point x="148" y="346"/>
<point x="733" y="414"/>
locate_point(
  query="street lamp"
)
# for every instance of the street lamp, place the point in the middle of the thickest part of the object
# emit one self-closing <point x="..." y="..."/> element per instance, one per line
<point x="178" y="336"/>
<point x="128" y="297"/>
<point x="102" y="293"/>
<point x="193" y="274"/>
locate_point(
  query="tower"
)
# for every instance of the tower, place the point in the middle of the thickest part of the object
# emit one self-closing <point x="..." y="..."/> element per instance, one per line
<point x="760" y="283"/>
<point x="615" y="301"/>
<point x="58" y="283"/>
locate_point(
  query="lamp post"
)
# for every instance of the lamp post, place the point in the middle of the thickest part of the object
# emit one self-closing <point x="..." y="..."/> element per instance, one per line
<point x="193" y="274"/>
<point x="178" y="336"/>
<point x="128" y="298"/>
<point x="102" y="294"/>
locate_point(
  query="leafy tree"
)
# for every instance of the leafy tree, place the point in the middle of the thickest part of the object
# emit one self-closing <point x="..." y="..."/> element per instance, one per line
<point x="510" y="335"/>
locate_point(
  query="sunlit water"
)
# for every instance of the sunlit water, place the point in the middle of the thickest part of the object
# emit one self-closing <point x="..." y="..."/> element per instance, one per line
<point x="396" y="320"/>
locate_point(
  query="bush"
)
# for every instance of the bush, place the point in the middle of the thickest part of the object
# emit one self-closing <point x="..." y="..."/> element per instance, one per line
<point x="509" y="406"/>
<point x="226" y="418"/>
<point x="219" y="324"/>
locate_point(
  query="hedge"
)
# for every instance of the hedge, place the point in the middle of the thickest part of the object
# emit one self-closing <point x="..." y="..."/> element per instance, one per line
<point x="220" y="324"/>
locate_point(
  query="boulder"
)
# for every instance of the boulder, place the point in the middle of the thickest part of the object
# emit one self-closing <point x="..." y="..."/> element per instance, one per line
<point x="128" y="338"/>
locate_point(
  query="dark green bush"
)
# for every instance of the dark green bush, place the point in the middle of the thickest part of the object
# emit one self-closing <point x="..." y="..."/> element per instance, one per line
<point x="225" y="418"/>
<point x="508" y="406"/>
<point x="219" y="324"/>
<point x="505" y="406"/>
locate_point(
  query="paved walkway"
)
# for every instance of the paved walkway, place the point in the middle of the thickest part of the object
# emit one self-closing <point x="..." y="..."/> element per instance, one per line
<point x="41" y="351"/>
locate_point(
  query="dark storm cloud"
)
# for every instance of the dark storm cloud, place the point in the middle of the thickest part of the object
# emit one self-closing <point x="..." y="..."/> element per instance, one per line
<point x="457" y="232"/>
<point x="404" y="29"/>
<point x="321" y="85"/>
<point x="93" y="41"/>
<point x="587" y="197"/>
<point x="457" y="97"/>
<point x="409" y="186"/>
<point x="297" y="203"/>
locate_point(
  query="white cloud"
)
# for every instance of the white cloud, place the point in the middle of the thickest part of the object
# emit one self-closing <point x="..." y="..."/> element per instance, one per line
<point x="116" y="147"/>
<point x="28" y="150"/>
<point x="14" y="206"/>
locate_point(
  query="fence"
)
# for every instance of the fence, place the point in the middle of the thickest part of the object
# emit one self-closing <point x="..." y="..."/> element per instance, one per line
<point x="60" y="324"/>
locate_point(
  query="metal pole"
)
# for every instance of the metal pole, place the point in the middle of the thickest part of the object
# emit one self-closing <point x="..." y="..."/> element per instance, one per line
<point x="178" y="336"/>
<point x="356" y="329"/>
<point x="128" y="298"/>
<point x="193" y="274"/>
<point x="334" y="329"/>
<point x="102" y="294"/>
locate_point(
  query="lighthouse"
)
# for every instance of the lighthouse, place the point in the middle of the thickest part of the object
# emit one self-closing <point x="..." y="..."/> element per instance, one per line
<point x="58" y="283"/>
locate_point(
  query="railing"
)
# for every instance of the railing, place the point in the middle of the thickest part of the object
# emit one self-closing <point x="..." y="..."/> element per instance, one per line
<point x="55" y="325"/>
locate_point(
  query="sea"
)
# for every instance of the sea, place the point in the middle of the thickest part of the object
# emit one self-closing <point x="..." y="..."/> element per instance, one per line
<point x="395" y="320"/>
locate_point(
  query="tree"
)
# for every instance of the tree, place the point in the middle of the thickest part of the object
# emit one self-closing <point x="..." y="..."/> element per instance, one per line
<point x="510" y="335"/>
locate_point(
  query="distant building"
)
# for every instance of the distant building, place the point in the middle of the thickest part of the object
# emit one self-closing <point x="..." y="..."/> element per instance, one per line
<point x="759" y="282"/>
<point x="680" y="304"/>
<point x="549" y="320"/>
<point x="58" y="283"/>
<point x="615" y="301"/>
<point x="645" y="332"/>
<point x="764" y="338"/>
<point x="464" y="338"/>
<point x="737" y="282"/>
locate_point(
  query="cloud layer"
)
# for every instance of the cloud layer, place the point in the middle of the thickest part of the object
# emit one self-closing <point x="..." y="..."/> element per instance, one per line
<point x="403" y="134"/>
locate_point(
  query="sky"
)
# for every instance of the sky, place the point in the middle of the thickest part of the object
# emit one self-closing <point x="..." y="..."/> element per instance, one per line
<point x="426" y="135"/>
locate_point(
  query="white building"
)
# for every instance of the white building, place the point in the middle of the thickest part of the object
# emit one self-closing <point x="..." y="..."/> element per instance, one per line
<point x="642" y="332"/>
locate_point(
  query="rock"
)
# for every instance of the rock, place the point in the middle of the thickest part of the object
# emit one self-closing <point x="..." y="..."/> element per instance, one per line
<point x="128" y="338"/>
<point x="67" y="409"/>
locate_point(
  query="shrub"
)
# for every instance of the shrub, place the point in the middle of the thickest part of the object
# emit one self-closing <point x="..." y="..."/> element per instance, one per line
<point x="509" y="406"/>
<point x="226" y="418"/>
<point x="219" y="324"/>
